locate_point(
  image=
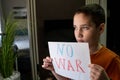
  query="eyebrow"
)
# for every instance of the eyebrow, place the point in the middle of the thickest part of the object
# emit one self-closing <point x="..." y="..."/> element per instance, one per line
<point x="84" y="24"/>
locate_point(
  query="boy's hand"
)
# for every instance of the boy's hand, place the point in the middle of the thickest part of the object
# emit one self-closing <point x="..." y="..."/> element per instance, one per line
<point x="47" y="64"/>
<point x="97" y="72"/>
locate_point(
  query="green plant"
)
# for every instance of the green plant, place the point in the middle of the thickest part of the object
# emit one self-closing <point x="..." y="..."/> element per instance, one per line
<point x="7" y="56"/>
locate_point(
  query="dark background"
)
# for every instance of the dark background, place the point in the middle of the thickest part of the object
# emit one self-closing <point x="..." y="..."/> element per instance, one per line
<point x="113" y="31"/>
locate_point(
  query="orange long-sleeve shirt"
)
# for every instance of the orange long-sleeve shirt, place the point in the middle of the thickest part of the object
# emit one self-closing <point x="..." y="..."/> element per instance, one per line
<point x="109" y="60"/>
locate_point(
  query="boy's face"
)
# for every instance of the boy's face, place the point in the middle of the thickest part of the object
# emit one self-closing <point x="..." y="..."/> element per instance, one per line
<point x="85" y="30"/>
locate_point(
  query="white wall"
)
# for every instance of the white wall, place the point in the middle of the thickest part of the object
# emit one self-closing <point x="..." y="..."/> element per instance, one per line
<point x="0" y="16"/>
<point x="8" y="5"/>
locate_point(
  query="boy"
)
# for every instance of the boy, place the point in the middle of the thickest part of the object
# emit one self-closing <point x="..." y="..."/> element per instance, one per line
<point x="89" y="24"/>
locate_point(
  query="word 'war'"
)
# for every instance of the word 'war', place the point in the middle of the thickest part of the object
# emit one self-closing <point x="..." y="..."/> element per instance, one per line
<point x="65" y="64"/>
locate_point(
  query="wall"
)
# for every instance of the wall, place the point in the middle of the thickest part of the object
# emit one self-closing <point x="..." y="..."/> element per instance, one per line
<point x="58" y="9"/>
<point x="0" y="17"/>
<point x="8" y="5"/>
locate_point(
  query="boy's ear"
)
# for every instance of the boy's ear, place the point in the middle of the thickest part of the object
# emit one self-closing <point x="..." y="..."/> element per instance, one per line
<point x="101" y="27"/>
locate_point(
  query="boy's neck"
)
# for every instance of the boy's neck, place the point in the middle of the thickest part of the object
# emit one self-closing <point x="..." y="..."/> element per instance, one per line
<point x="95" y="49"/>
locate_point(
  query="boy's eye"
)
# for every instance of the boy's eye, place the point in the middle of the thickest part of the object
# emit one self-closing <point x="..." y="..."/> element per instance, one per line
<point x="85" y="27"/>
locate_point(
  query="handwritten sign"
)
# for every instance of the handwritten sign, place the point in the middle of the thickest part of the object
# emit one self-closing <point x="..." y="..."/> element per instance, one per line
<point x="70" y="59"/>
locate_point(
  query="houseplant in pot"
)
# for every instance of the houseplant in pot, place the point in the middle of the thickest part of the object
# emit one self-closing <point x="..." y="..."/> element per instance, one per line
<point x="7" y="54"/>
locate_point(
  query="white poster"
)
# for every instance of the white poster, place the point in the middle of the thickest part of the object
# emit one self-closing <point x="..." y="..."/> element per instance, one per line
<point x="71" y="59"/>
